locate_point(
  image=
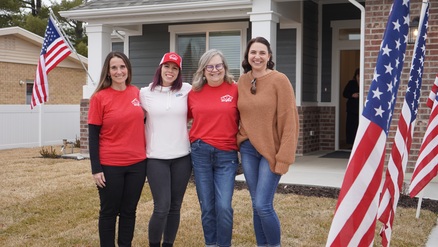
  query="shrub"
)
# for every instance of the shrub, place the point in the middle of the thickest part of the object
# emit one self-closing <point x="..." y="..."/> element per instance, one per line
<point x="46" y="153"/>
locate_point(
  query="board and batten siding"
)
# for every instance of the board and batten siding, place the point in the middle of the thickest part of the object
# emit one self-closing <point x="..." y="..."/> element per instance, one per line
<point x="146" y="52"/>
<point x="287" y="53"/>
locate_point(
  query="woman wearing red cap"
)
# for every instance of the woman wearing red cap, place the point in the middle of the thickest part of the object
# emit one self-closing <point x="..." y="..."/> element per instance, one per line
<point x="168" y="147"/>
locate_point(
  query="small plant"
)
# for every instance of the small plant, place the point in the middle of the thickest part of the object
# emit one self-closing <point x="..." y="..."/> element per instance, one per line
<point x="77" y="143"/>
<point x="46" y="153"/>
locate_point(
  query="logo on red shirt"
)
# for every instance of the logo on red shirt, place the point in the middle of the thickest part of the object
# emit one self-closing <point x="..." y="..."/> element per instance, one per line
<point x="135" y="102"/>
<point x="227" y="98"/>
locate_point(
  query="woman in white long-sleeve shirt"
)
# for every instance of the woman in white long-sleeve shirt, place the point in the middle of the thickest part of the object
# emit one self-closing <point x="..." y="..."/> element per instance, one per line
<point x="168" y="150"/>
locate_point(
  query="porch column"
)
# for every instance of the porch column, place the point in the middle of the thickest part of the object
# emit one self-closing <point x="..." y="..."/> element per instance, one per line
<point x="264" y="22"/>
<point x="99" y="45"/>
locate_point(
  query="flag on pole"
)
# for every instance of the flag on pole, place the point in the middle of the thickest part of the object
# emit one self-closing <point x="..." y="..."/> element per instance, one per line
<point x="433" y="93"/>
<point x="356" y="210"/>
<point x="403" y="138"/>
<point x="54" y="50"/>
<point x="426" y="167"/>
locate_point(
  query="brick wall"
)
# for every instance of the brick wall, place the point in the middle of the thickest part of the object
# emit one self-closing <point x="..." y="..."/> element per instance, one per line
<point x="65" y="84"/>
<point x="85" y="104"/>
<point x="377" y="12"/>
<point x="317" y="129"/>
<point x="327" y="128"/>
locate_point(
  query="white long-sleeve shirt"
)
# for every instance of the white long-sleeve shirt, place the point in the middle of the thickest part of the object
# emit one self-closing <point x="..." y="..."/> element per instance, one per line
<point x="166" y="121"/>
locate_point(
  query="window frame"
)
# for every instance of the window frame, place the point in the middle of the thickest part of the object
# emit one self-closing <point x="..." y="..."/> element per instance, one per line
<point x="207" y="28"/>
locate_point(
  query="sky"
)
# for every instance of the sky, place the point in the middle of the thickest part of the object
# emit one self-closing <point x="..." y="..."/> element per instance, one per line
<point x="48" y="2"/>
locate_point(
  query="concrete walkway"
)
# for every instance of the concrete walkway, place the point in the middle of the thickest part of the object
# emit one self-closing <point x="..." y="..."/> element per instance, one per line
<point x="329" y="172"/>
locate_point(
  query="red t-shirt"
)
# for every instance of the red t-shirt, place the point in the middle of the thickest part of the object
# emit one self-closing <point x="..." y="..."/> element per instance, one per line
<point x="122" y="140"/>
<point x="215" y="115"/>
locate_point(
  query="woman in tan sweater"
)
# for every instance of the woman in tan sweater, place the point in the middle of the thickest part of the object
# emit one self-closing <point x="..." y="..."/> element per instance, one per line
<point x="268" y="134"/>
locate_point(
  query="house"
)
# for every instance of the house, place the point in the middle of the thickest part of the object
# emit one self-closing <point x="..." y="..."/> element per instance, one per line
<point x="318" y="44"/>
<point x="19" y="53"/>
<point x="19" y="125"/>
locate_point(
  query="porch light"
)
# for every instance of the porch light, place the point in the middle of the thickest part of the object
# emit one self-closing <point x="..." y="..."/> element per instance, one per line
<point x="413" y="30"/>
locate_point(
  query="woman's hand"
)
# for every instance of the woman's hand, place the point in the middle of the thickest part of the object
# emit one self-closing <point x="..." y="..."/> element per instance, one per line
<point x="99" y="179"/>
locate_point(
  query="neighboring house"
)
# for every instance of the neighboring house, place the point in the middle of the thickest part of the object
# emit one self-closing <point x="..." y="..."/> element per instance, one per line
<point x="57" y="119"/>
<point x="19" y="54"/>
<point x="316" y="43"/>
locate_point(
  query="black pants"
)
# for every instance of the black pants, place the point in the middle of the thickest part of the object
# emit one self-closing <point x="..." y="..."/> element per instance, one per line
<point x="351" y="128"/>
<point x="168" y="182"/>
<point x="119" y="198"/>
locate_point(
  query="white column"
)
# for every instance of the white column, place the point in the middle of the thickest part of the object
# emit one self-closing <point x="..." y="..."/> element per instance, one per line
<point x="99" y="45"/>
<point x="264" y="22"/>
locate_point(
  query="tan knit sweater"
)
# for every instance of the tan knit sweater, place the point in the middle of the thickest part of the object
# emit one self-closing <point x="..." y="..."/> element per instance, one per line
<point x="269" y="119"/>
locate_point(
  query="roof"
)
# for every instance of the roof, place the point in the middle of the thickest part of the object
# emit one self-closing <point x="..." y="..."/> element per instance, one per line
<point x="138" y="12"/>
<point x="104" y="4"/>
<point x="35" y="40"/>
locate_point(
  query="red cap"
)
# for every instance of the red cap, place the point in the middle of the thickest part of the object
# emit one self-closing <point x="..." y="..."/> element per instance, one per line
<point x="172" y="57"/>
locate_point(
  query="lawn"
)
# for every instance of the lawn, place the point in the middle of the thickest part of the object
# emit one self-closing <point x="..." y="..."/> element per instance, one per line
<point x="54" y="202"/>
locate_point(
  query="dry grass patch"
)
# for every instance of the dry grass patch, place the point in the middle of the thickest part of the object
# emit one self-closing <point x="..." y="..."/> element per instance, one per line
<point x="53" y="202"/>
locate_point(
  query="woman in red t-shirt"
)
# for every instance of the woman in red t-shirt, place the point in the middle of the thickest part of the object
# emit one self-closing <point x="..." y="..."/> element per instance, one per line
<point x="213" y="107"/>
<point x="117" y="149"/>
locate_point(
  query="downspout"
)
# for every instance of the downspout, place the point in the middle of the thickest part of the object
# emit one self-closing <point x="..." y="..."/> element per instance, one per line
<point x="362" y="52"/>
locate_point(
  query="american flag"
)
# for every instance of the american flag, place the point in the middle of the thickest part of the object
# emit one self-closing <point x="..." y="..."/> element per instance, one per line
<point x="433" y="93"/>
<point x="426" y="167"/>
<point x="356" y="211"/>
<point x="54" y="50"/>
<point x="403" y="137"/>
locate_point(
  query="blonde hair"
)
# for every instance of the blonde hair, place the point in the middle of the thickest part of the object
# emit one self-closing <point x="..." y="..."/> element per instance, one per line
<point x="198" y="77"/>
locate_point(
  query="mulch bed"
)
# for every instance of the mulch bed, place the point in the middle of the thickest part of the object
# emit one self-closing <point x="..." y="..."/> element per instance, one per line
<point x="404" y="201"/>
<point x="328" y="192"/>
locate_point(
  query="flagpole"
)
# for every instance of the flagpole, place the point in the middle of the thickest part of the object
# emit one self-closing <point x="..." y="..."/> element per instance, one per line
<point x="69" y="43"/>
<point x="420" y="201"/>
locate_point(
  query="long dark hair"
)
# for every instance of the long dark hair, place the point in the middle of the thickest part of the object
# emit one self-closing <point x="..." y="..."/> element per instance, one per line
<point x="158" y="81"/>
<point x="245" y="64"/>
<point x="105" y="80"/>
<point x="356" y="73"/>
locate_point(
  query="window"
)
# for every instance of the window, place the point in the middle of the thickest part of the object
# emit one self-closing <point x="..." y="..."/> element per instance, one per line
<point x="29" y="88"/>
<point x="191" y="41"/>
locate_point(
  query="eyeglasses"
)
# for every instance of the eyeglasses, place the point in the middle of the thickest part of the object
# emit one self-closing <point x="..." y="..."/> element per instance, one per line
<point x="253" y="86"/>
<point x="218" y="66"/>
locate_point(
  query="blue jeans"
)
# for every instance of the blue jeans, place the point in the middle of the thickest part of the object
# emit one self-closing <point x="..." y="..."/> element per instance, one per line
<point x="262" y="184"/>
<point x="215" y="172"/>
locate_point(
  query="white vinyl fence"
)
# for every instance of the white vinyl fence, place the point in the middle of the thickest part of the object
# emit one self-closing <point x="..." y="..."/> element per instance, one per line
<point x="45" y="125"/>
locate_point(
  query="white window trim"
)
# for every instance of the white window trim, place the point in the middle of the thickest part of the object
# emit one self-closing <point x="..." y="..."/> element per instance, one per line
<point x="174" y="30"/>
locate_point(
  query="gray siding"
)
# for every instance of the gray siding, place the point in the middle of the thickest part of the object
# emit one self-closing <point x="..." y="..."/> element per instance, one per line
<point x="287" y="53"/>
<point x="332" y="12"/>
<point x="146" y="52"/>
<point x="117" y="46"/>
<point x="310" y="52"/>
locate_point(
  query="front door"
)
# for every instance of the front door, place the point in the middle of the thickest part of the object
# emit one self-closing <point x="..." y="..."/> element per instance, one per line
<point x="349" y="62"/>
<point x="345" y="60"/>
